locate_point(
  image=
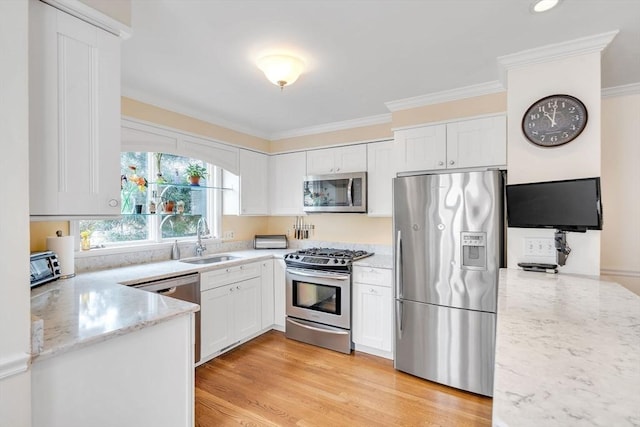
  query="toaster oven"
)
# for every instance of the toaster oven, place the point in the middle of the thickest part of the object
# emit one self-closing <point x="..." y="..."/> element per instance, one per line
<point x="44" y="268"/>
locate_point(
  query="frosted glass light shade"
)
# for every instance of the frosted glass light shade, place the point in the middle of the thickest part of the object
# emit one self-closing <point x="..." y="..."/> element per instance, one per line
<point x="544" y="5"/>
<point x="281" y="70"/>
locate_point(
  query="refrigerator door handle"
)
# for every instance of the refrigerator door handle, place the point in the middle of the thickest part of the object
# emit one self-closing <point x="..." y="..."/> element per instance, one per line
<point x="399" y="318"/>
<point x="399" y="293"/>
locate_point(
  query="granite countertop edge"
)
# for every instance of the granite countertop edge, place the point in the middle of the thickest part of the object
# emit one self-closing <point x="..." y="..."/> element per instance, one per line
<point x="60" y="308"/>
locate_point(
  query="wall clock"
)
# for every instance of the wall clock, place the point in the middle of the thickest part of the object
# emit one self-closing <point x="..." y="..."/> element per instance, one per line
<point x="554" y="120"/>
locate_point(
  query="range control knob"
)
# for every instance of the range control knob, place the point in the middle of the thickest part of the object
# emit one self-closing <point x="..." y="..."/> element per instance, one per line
<point x="297" y="257"/>
<point x="343" y="262"/>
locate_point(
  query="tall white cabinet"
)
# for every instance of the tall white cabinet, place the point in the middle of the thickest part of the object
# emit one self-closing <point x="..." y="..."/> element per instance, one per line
<point x="74" y="108"/>
<point x="286" y="172"/>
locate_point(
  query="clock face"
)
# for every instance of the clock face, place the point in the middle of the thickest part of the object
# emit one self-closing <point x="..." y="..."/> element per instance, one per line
<point x="554" y="120"/>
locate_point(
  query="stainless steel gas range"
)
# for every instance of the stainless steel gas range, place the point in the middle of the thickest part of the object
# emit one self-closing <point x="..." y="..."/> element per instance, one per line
<point x="318" y="293"/>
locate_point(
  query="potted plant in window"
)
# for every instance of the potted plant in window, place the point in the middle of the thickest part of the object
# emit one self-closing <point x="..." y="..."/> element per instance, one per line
<point x="194" y="172"/>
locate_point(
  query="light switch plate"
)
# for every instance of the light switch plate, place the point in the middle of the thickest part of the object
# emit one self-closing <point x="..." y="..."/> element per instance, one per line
<point x="539" y="246"/>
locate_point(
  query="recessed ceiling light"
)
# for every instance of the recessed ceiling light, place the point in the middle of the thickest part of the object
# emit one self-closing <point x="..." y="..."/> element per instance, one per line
<point x="543" y="5"/>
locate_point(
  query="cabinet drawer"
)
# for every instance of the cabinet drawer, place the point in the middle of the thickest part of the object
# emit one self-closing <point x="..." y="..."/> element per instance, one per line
<point x="372" y="276"/>
<point x="224" y="276"/>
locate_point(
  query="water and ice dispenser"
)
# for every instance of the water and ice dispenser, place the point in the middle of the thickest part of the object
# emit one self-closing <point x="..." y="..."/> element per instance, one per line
<point x="474" y="250"/>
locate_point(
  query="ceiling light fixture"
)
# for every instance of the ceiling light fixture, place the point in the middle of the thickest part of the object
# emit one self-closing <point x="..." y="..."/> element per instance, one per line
<point x="543" y="5"/>
<point x="281" y="70"/>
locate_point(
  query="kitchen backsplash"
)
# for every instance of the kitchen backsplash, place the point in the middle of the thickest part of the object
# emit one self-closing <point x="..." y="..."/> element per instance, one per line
<point x="99" y="260"/>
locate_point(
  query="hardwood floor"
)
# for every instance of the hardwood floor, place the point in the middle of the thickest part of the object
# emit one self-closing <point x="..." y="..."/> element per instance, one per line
<point x="274" y="381"/>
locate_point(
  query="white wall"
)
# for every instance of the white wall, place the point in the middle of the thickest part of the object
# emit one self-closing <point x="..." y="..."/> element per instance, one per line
<point x="15" y="406"/>
<point x="578" y="76"/>
<point x="620" y="257"/>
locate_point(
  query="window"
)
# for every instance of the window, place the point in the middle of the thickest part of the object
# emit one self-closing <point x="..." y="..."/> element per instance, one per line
<point x="157" y="202"/>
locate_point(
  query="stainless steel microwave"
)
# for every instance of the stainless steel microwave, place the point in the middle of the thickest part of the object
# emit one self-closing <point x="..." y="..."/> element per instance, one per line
<point x="343" y="192"/>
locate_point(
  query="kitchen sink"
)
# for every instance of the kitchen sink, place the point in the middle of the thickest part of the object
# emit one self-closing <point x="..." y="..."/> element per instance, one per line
<point x="210" y="259"/>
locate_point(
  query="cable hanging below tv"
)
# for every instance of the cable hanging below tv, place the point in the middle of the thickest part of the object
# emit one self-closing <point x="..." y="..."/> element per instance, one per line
<point x="569" y="205"/>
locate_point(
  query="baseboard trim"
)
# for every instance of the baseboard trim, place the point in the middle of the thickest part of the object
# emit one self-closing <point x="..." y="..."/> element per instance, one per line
<point x="623" y="273"/>
<point x="14" y="364"/>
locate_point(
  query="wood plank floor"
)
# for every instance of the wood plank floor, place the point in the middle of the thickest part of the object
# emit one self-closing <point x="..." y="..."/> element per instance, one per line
<point x="274" y="381"/>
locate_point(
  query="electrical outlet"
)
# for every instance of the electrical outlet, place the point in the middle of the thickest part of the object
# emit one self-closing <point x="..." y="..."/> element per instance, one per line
<point x="227" y="235"/>
<point x="539" y="246"/>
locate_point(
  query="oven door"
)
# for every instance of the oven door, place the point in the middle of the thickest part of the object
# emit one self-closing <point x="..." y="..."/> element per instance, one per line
<point x="319" y="296"/>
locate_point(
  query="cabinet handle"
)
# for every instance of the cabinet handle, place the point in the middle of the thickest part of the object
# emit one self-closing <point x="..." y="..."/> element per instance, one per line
<point x="113" y="203"/>
<point x="238" y="287"/>
<point x="231" y="289"/>
<point x="440" y="163"/>
<point x="373" y="291"/>
<point x="227" y="270"/>
<point x="242" y="267"/>
<point x="451" y="162"/>
<point x="337" y="169"/>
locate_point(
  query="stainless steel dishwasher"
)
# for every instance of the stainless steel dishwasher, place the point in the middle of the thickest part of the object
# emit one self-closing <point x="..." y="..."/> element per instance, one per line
<point x="186" y="288"/>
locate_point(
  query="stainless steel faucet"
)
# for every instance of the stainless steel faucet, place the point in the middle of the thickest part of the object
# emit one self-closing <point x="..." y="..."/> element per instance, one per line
<point x="201" y="228"/>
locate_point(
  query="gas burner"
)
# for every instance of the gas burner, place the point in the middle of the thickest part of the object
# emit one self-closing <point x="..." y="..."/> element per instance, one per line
<point x="325" y="258"/>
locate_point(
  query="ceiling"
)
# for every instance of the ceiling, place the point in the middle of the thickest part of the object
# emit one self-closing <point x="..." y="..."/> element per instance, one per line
<point x="197" y="57"/>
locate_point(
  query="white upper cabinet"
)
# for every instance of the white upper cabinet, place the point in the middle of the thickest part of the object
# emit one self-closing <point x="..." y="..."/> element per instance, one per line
<point x="382" y="166"/>
<point x="74" y="116"/>
<point x="248" y="192"/>
<point x="462" y="144"/>
<point x="254" y="184"/>
<point x="347" y="159"/>
<point x="423" y="148"/>
<point x="479" y="142"/>
<point x="286" y="174"/>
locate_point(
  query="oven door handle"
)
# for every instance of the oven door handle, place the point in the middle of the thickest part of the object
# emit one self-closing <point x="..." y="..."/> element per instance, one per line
<point x="320" y="275"/>
<point x="313" y="328"/>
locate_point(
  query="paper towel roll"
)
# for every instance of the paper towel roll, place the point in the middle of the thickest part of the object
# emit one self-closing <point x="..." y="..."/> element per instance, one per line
<point x="63" y="247"/>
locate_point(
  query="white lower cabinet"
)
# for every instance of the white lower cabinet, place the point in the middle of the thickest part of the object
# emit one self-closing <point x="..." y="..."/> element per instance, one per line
<point x="116" y="382"/>
<point x="230" y="307"/>
<point x="373" y="311"/>
<point x="267" y="293"/>
<point x="279" y="293"/>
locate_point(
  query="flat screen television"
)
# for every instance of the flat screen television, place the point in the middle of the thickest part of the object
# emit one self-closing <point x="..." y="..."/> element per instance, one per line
<point x="571" y="205"/>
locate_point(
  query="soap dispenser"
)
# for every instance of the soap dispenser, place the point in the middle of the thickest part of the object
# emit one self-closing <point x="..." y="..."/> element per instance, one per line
<point x="175" y="250"/>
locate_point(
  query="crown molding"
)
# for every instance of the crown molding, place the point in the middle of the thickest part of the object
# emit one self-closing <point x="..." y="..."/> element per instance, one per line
<point x="191" y="112"/>
<point x="446" y="96"/>
<point x="630" y="89"/>
<point x="92" y="16"/>
<point x="552" y="52"/>
<point x="332" y="127"/>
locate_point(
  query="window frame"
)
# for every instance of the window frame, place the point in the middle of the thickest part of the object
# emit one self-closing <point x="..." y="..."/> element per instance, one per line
<point x="154" y="222"/>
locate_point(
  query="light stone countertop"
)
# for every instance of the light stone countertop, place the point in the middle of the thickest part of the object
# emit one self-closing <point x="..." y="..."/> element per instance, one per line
<point x="376" y="261"/>
<point x="93" y="307"/>
<point x="567" y="352"/>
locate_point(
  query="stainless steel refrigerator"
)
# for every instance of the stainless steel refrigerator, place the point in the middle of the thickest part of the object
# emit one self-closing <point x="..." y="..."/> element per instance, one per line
<point x="449" y="247"/>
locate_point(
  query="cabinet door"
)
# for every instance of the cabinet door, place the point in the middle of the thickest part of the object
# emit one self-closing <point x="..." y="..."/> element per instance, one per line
<point x="351" y="159"/>
<point x="267" y="293"/>
<point x="247" y="315"/>
<point x="381" y="169"/>
<point x="216" y="317"/>
<point x="279" y="293"/>
<point x="478" y="142"/>
<point x="254" y="184"/>
<point x="320" y="162"/>
<point x="372" y="316"/>
<point x="422" y="148"/>
<point x="287" y="173"/>
<point x="74" y="78"/>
